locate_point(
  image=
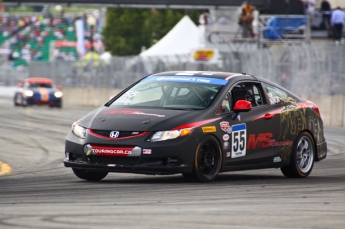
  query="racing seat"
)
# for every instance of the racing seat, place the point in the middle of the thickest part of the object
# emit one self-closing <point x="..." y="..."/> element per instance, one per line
<point x="243" y="93"/>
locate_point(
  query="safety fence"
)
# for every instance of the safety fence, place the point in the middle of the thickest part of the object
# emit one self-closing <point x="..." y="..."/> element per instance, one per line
<point x="305" y="69"/>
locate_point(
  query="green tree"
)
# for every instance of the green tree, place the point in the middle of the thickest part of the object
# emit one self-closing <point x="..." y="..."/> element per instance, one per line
<point x="127" y="30"/>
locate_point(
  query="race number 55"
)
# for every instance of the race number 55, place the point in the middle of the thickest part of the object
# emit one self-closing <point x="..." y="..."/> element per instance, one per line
<point x="238" y="140"/>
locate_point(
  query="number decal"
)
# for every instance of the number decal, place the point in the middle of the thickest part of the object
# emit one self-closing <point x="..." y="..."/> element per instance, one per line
<point x="239" y="140"/>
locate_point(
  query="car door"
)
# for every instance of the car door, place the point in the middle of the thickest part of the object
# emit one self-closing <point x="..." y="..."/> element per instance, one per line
<point x="250" y="132"/>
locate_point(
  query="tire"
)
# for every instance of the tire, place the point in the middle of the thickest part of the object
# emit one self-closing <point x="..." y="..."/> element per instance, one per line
<point x="15" y="100"/>
<point x="207" y="161"/>
<point x="302" y="158"/>
<point x="89" y="175"/>
<point x="23" y="102"/>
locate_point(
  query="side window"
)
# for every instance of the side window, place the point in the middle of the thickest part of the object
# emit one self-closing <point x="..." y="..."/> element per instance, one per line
<point x="225" y="106"/>
<point x="275" y="95"/>
<point x="248" y="91"/>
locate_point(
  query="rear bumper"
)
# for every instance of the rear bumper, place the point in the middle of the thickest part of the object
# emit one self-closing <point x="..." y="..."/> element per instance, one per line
<point x="321" y="151"/>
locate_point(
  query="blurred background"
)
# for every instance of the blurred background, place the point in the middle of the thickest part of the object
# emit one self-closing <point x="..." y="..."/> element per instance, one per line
<point x="112" y="46"/>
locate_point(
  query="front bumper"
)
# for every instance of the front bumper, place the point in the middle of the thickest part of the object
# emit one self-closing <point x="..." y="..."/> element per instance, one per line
<point x="165" y="157"/>
<point x="51" y="102"/>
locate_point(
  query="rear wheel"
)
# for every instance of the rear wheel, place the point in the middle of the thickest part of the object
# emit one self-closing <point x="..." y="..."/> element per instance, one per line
<point x="207" y="162"/>
<point x="302" y="158"/>
<point x="89" y="175"/>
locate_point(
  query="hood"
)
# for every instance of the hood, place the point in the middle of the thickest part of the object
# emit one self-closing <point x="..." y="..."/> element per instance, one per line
<point x="125" y="119"/>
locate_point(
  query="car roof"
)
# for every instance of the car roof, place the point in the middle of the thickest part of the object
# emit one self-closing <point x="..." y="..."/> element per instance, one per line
<point x="206" y="74"/>
<point x="39" y="80"/>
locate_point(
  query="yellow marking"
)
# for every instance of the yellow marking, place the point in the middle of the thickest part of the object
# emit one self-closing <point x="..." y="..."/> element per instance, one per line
<point x="5" y="169"/>
<point x="44" y="94"/>
<point x="209" y="129"/>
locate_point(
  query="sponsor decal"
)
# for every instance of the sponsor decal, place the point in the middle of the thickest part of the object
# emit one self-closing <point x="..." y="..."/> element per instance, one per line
<point x="273" y="99"/>
<point x="203" y="54"/>
<point x="209" y="129"/>
<point x="239" y="117"/>
<point x="131" y="112"/>
<point x="114" y="134"/>
<point x="147" y="151"/>
<point x="225" y="126"/>
<point x="264" y="140"/>
<point x="112" y="151"/>
<point x="261" y="141"/>
<point x="226" y="145"/>
<point x="226" y="137"/>
<point x="275" y="143"/>
<point x="239" y="140"/>
<point x="190" y="79"/>
<point x="228" y="154"/>
<point x="277" y="159"/>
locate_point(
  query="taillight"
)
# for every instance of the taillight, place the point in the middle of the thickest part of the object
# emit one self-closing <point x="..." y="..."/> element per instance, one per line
<point x="316" y="109"/>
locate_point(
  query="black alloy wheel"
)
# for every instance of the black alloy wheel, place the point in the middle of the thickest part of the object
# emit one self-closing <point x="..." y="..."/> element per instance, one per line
<point x="207" y="162"/>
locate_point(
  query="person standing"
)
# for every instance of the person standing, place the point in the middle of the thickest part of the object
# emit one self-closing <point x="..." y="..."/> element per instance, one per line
<point x="326" y="10"/>
<point x="205" y="18"/>
<point x="337" y="22"/>
<point x="309" y="10"/>
<point x="246" y="19"/>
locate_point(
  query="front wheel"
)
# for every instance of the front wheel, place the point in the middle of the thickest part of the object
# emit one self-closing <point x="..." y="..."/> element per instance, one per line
<point x="89" y="175"/>
<point x="207" y="162"/>
<point x="302" y="158"/>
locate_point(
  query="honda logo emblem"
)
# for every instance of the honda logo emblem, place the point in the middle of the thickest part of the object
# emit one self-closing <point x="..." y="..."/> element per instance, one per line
<point x="114" y="134"/>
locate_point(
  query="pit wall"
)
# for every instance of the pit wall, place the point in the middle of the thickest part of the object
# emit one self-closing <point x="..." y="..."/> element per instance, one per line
<point x="332" y="108"/>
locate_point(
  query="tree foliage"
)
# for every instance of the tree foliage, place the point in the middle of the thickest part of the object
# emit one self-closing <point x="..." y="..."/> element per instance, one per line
<point x="128" y="30"/>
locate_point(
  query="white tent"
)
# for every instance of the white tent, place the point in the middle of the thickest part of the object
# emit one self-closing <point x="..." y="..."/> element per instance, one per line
<point x="181" y="39"/>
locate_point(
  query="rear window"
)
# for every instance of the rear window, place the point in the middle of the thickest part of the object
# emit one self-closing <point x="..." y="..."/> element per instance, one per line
<point x="275" y="95"/>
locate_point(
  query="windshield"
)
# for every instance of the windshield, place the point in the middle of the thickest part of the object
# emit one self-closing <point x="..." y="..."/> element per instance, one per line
<point x="172" y="92"/>
<point x="36" y="85"/>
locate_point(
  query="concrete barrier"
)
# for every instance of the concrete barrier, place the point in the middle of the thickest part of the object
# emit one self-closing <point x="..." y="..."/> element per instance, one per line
<point x="332" y="108"/>
<point x="87" y="96"/>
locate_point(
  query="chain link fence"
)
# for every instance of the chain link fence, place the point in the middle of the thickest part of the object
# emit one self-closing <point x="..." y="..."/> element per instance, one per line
<point x="305" y="69"/>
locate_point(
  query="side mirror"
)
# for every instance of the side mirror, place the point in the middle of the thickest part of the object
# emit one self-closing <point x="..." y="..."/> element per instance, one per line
<point x="59" y="88"/>
<point x="242" y="105"/>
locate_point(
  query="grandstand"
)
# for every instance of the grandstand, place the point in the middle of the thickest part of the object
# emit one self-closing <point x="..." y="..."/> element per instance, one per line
<point x="34" y="38"/>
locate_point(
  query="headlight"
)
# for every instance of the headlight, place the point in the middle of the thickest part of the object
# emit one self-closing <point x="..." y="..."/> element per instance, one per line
<point x="78" y="130"/>
<point x="170" y="134"/>
<point x="28" y="93"/>
<point x="58" y="94"/>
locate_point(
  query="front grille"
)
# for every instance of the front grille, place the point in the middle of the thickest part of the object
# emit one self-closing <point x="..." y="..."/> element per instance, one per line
<point x="122" y="134"/>
<point x="104" y="160"/>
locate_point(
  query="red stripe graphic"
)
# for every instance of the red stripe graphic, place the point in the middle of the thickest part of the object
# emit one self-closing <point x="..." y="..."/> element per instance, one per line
<point x="195" y="124"/>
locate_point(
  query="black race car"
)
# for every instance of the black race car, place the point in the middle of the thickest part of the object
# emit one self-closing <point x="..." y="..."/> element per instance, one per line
<point x="198" y="124"/>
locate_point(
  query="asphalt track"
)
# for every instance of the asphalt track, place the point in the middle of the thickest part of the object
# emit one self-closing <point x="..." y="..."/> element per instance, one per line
<point x="37" y="191"/>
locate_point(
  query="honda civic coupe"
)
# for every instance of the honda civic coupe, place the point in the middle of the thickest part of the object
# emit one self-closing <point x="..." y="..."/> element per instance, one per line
<point x="37" y="91"/>
<point x="198" y="124"/>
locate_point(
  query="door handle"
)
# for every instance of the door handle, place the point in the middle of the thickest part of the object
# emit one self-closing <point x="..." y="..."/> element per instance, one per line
<point x="268" y="116"/>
